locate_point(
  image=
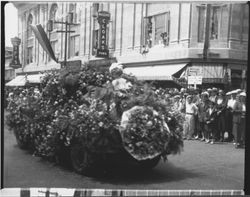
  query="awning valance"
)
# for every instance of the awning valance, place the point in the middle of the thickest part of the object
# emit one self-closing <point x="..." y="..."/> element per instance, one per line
<point x="157" y="72"/>
<point x="35" y="78"/>
<point x="21" y="80"/>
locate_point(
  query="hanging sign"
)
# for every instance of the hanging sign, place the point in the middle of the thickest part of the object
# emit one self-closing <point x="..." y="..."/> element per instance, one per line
<point x="15" y="63"/>
<point x="103" y="20"/>
<point x="195" y="80"/>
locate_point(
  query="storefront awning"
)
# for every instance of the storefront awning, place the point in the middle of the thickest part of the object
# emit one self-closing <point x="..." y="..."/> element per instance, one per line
<point x="21" y="80"/>
<point x="157" y="72"/>
<point x="18" y="81"/>
<point x="35" y="78"/>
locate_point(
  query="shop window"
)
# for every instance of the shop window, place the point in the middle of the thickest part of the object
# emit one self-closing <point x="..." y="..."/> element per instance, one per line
<point x="29" y="55"/>
<point x="74" y="46"/>
<point x="236" y="78"/>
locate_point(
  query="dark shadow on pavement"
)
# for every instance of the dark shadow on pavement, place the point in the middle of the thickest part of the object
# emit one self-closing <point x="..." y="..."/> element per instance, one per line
<point x="129" y="175"/>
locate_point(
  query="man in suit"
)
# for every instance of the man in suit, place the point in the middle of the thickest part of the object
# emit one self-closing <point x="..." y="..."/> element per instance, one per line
<point x="210" y="122"/>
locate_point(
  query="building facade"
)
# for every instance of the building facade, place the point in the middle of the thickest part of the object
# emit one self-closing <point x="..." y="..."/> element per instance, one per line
<point x="209" y="40"/>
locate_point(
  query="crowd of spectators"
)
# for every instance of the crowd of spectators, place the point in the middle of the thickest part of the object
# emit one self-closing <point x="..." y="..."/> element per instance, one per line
<point x="211" y="115"/>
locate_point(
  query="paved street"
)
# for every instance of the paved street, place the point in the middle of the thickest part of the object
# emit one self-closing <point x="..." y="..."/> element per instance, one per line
<point x="200" y="166"/>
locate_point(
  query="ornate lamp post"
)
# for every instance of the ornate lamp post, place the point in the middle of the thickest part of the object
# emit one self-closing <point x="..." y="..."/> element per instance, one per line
<point x="15" y="63"/>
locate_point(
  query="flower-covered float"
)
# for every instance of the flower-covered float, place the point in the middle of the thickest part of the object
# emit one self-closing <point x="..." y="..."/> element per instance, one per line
<point x="93" y="119"/>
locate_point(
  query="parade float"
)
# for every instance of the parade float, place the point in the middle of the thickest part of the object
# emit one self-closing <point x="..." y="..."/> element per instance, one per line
<point x="93" y="119"/>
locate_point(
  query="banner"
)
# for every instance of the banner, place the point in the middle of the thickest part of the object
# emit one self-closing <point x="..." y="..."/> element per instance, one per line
<point x="43" y="40"/>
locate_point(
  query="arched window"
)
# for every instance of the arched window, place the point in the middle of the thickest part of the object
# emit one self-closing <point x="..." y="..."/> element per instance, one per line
<point x="29" y="22"/>
<point x="53" y="13"/>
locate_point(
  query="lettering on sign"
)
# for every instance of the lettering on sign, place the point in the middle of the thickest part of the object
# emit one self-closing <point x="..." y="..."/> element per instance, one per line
<point x="15" y="63"/>
<point x="194" y="80"/>
<point x="103" y="20"/>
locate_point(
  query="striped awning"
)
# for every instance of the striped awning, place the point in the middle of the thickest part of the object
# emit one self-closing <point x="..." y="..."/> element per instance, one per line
<point x="157" y="72"/>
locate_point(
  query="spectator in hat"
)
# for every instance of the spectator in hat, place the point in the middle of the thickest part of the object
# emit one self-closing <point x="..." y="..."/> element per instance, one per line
<point x="189" y="123"/>
<point x="213" y="96"/>
<point x="196" y="101"/>
<point x="243" y="118"/>
<point x="183" y="102"/>
<point x="209" y="90"/>
<point x="238" y="111"/>
<point x="210" y="122"/>
<point x="229" y="114"/>
<point x="221" y="105"/>
<point x="177" y="103"/>
<point x="202" y="108"/>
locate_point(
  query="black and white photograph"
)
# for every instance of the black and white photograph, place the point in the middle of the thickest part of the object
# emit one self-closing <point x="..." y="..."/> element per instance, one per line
<point x="124" y="98"/>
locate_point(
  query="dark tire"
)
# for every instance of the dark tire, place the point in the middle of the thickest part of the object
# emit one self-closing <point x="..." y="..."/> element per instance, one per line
<point x="149" y="163"/>
<point x="62" y="157"/>
<point x="81" y="160"/>
<point x="20" y="142"/>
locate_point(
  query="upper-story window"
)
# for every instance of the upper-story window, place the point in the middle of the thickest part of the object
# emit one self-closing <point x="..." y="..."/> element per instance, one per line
<point x="54" y="14"/>
<point x="29" y="22"/>
<point x="157" y="29"/>
<point x="72" y="9"/>
<point x="213" y="22"/>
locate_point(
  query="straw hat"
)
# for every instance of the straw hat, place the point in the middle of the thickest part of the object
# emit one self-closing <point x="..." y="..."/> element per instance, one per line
<point x="228" y="93"/>
<point x="243" y="94"/>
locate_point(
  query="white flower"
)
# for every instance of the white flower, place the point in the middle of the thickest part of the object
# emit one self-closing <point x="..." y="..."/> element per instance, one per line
<point x="100" y="124"/>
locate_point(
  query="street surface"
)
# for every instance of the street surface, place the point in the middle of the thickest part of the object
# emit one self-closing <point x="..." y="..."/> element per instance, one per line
<point x="199" y="166"/>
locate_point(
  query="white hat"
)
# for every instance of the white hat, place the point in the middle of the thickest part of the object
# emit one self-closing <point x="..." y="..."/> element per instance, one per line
<point x="177" y="96"/>
<point x="228" y="93"/>
<point x="243" y="94"/>
<point x="115" y="65"/>
<point x="238" y="90"/>
<point x="234" y="92"/>
<point x="214" y="89"/>
<point x="205" y="93"/>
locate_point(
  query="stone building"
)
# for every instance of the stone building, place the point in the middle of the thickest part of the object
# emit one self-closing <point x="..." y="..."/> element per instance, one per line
<point x="154" y="41"/>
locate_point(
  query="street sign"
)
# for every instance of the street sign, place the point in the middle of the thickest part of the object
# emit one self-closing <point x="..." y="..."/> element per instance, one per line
<point x="194" y="71"/>
<point x="196" y="80"/>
